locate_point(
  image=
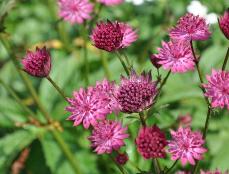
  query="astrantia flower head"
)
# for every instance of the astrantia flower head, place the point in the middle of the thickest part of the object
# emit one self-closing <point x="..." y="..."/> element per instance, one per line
<point x="183" y="172"/>
<point x="217" y="88"/>
<point x="176" y="56"/>
<point x="151" y="142"/>
<point x="129" y="35"/>
<point x="75" y="11"/>
<point x="111" y="2"/>
<point x="186" y="145"/>
<point x="111" y="36"/>
<point x="107" y="136"/>
<point x="121" y="158"/>
<point x="190" y="27"/>
<point x="86" y="107"/>
<point x="37" y="63"/>
<point x="154" y="60"/>
<point x="107" y="89"/>
<point x="185" y="120"/>
<point x="214" y="172"/>
<point x="224" y="23"/>
<point x="136" y="93"/>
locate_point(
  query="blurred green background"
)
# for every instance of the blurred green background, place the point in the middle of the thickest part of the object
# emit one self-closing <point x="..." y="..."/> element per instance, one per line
<point x="35" y="22"/>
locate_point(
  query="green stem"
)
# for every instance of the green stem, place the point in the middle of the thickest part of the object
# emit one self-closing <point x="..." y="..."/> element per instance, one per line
<point x="118" y="165"/>
<point x="123" y="63"/>
<point x="169" y="169"/>
<point x="105" y="65"/>
<point x="18" y="100"/>
<point x="142" y="118"/>
<point x="225" y="60"/>
<point x="156" y="167"/>
<point x="60" y="91"/>
<point x="127" y="59"/>
<point x="85" y="56"/>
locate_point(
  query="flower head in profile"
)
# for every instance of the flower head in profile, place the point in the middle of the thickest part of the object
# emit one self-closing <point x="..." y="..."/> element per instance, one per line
<point x="154" y="60"/>
<point x="107" y="136"/>
<point x="122" y="158"/>
<point x="87" y="108"/>
<point x="224" y="23"/>
<point x="190" y="27"/>
<point x="176" y="56"/>
<point x="37" y="63"/>
<point x="111" y="2"/>
<point x="217" y="88"/>
<point x="136" y="93"/>
<point x="151" y="142"/>
<point x="214" y="172"/>
<point x="75" y="11"/>
<point x="112" y="36"/>
<point x="186" y="145"/>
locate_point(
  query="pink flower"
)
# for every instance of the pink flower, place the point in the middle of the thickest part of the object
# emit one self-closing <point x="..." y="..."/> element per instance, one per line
<point x="214" y="172"/>
<point x="154" y="60"/>
<point x="37" y="63"/>
<point x="75" y="11"/>
<point x="151" y="142"/>
<point x="176" y="56"/>
<point x="107" y="89"/>
<point x="224" y="23"/>
<point x="86" y="107"/>
<point x="217" y="88"/>
<point x="107" y="136"/>
<point x="129" y="35"/>
<point x="112" y="36"/>
<point x="111" y="2"/>
<point x="183" y="172"/>
<point x="190" y="27"/>
<point x="122" y="158"/>
<point x="186" y="145"/>
<point x="185" y="120"/>
<point x="136" y="93"/>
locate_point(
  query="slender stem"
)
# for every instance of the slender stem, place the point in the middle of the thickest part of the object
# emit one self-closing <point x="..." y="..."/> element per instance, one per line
<point x="60" y="91"/>
<point x="119" y="166"/>
<point x="142" y="118"/>
<point x="225" y="60"/>
<point x="123" y="63"/>
<point x="66" y="151"/>
<point x="127" y="59"/>
<point x="169" y="169"/>
<point x="105" y="65"/>
<point x="156" y="167"/>
<point x="164" y="81"/>
<point x="18" y="100"/>
<point x="85" y="56"/>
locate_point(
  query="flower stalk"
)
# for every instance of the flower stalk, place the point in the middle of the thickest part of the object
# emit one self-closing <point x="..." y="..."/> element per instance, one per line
<point x="225" y="60"/>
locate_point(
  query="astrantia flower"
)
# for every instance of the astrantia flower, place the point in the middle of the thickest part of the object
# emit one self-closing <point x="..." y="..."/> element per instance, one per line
<point x="107" y="89"/>
<point x="37" y="63"/>
<point x="214" y="172"/>
<point x="111" y="2"/>
<point x="86" y="107"/>
<point x="190" y="27"/>
<point x="185" y="120"/>
<point x="129" y="35"/>
<point x="121" y="158"/>
<point x="154" y="60"/>
<point x="151" y="142"/>
<point x="107" y="136"/>
<point x="217" y="88"/>
<point x="136" y="93"/>
<point x="224" y="23"/>
<point x="111" y="36"/>
<point x="176" y="56"/>
<point x="183" y="172"/>
<point x="75" y="11"/>
<point x="186" y="145"/>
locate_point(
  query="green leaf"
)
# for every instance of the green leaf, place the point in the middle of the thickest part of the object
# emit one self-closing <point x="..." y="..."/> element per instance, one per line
<point x="11" y="145"/>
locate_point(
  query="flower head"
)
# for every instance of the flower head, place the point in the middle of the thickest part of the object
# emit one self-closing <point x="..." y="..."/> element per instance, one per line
<point x="151" y="142"/>
<point x="183" y="172"/>
<point x="214" y="172"/>
<point x="107" y="136"/>
<point x="122" y="158"/>
<point x="86" y="107"/>
<point x="37" y="63"/>
<point x="75" y="11"/>
<point x="111" y="2"/>
<point x="185" y="120"/>
<point x="136" y="93"/>
<point x="190" y="27"/>
<point x="186" y="145"/>
<point x="217" y="88"/>
<point x="176" y="56"/>
<point x="224" y="23"/>
<point x="111" y="36"/>
<point x="154" y="60"/>
<point x="129" y="35"/>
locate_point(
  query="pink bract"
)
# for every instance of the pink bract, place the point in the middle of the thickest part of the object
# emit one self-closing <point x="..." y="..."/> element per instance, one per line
<point x="224" y="23"/>
<point x="214" y="172"/>
<point x="129" y="35"/>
